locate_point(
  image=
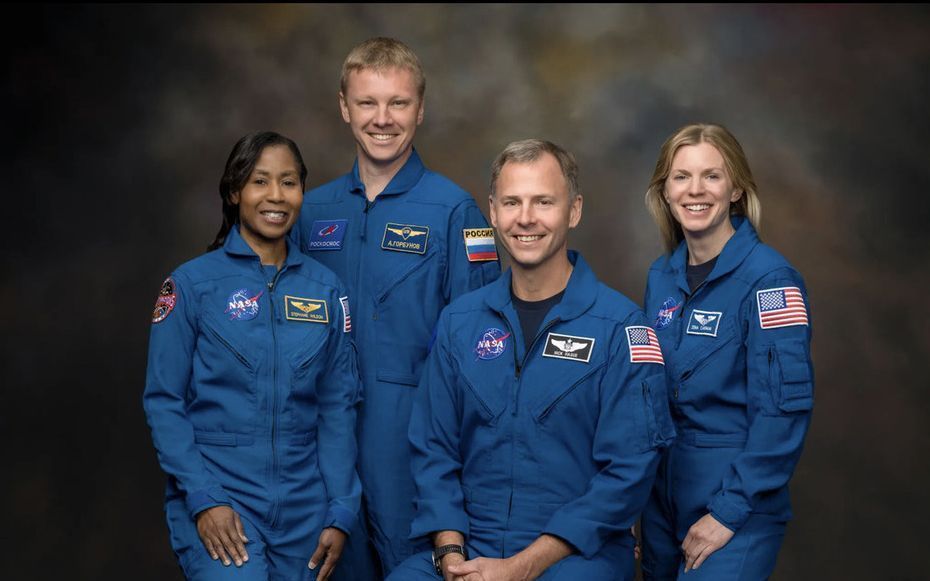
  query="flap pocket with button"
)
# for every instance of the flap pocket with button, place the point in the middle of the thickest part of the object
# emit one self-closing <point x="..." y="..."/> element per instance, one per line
<point x="791" y="377"/>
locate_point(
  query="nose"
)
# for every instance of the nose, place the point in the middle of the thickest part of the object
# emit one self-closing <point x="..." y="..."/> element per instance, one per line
<point x="527" y="216"/>
<point x="383" y="117"/>
<point x="696" y="186"/>
<point x="276" y="192"/>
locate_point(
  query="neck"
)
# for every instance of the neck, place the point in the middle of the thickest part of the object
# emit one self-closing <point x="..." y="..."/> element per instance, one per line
<point x="706" y="246"/>
<point x="541" y="282"/>
<point x="376" y="176"/>
<point x="269" y="251"/>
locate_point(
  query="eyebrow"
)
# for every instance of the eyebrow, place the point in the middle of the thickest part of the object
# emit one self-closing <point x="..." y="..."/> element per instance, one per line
<point x="268" y="173"/>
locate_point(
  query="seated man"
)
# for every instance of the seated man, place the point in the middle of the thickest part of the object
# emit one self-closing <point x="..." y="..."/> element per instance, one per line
<point x="538" y="424"/>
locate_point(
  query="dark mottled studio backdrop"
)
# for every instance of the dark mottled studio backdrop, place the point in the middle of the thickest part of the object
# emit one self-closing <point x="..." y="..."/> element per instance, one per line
<point x="119" y="120"/>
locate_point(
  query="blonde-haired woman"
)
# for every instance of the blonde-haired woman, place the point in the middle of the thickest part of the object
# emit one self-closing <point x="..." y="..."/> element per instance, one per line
<point x="733" y="321"/>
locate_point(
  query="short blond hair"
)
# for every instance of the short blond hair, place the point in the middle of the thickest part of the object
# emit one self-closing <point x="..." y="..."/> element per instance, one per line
<point x="530" y="150"/>
<point x="381" y="53"/>
<point x="734" y="161"/>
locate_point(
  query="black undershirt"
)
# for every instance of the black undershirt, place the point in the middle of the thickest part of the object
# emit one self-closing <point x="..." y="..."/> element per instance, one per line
<point x="532" y="313"/>
<point x="697" y="273"/>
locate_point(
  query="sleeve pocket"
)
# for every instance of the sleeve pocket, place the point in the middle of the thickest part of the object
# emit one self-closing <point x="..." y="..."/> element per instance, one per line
<point x="658" y="418"/>
<point x="792" y="381"/>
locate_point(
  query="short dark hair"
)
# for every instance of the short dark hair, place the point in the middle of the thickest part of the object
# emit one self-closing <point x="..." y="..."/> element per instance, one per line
<point x="239" y="167"/>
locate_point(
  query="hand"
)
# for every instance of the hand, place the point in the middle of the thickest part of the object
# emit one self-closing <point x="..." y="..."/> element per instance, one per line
<point x="328" y="550"/>
<point x="221" y="532"/>
<point x="704" y="537"/>
<point x="637" y="550"/>
<point x="451" y="559"/>
<point x="484" y="569"/>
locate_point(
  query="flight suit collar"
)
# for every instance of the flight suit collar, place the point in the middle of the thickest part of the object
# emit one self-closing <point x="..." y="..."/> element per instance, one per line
<point x="734" y="252"/>
<point x="403" y="180"/>
<point x="235" y="245"/>
<point x="580" y="292"/>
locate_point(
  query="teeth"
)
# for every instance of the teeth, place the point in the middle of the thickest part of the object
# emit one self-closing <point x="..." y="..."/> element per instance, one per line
<point x="275" y="216"/>
<point x="529" y="238"/>
<point x="697" y="207"/>
<point x="382" y="136"/>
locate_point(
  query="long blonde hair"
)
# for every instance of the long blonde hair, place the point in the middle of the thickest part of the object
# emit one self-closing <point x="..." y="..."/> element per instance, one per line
<point x="734" y="161"/>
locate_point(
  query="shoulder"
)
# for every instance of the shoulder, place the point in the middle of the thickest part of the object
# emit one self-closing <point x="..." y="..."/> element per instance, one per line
<point x="327" y="193"/>
<point x="613" y="307"/>
<point x="435" y="188"/>
<point x="206" y="267"/>
<point x="661" y="266"/>
<point x="765" y="265"/>
<point x="319" y="274"/>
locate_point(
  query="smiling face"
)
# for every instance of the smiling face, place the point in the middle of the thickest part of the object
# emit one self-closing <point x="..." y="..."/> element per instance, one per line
<point x="699" y="192"/>
<point x="270" y="199"/>
<point x="383" y="109"/>
<point x="532" y="210"/>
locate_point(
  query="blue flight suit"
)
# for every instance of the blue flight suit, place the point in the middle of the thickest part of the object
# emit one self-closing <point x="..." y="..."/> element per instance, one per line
<point x="563" y="439"/>
<point x="250" y="393"/>
<point x="403" y="256"/>
<point x="737" y="353"/>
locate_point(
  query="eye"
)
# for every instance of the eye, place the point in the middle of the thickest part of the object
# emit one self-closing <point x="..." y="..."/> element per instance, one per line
<point x="260" y="181"/>
<point x="713" y="176"/>
<point x="678" y="178"/>
<point x="399" y="103"/>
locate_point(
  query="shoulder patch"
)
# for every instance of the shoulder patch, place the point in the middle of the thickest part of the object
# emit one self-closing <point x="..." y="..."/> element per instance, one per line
<point x="479" y="244"/>
<point x="327" y="234"/>
<point x="644" y="345"/>
<point x="405" y="238"/>
<point x="165" y="302"/>
<point x="781" y="307"/>
<point x="306" y="310"/>
<point x="666" y="313"/>
<point x="346" y="318"/>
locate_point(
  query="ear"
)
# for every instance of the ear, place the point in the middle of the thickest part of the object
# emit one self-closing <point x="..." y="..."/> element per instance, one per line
<point x="235" y="198"/>
<point x="736" y="195"/>
<point x="421" y="110"/>
<point x="492" y="210"/>
<point x="574" y="215"/>
<point x="344" y="108"/>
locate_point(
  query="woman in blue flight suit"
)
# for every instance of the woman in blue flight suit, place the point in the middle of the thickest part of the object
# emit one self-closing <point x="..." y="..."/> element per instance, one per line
<point x="252" y="386"/>
<point x="733" y="321"/>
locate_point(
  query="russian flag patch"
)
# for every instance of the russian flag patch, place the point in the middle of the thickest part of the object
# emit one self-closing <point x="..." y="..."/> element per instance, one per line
<point x="479" y="244"/>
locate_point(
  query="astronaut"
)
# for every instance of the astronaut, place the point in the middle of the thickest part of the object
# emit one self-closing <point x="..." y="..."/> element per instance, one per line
<point x="733" y="321"/>
<point x="539" y="420"/>
<point x="251" y="388"/>
<point x="406" y="241"/>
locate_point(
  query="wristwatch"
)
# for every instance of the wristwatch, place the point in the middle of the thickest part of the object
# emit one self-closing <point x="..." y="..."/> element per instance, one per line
<point x="440" y="552"/>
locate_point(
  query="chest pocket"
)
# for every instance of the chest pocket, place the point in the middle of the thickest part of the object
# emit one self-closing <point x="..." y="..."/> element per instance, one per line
<point x="487" y="383"/>
<point x="560" y="380"/>
<point x="219" y="344"/>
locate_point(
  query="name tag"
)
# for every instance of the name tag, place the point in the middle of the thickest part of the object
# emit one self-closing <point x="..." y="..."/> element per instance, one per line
<point x="704" y="323"/>
<point x="569" y="347"/>
<point x="405" y="238"/>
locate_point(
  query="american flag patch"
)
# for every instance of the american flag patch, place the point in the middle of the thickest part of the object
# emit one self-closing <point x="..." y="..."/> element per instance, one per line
<point x="346" y="318"/>
<point x="781" y="307"/>
<point x="644" y="345"/>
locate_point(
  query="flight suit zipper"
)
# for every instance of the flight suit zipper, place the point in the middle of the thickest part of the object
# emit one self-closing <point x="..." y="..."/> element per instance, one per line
<point x="275" y="503"/>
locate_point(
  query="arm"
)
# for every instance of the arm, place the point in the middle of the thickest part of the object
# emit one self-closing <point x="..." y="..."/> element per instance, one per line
<point x="171" y="349"/>
<point x="464" y="274"/>
<point x="434" y="437"/>
<point x="780" y="395"/>
<point x="634" y="423"/>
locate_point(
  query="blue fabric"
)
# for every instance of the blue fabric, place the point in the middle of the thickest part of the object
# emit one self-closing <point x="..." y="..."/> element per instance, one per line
<point x="509" y="444"/>
<point x="741" y="395"/>
<point x="251" y="402"/>
<point x="397" y="288"/>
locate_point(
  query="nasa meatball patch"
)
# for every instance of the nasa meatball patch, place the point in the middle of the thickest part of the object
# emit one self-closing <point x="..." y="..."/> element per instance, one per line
<point x="165" y="302"/>
<point x="569" y="347"/>
<point x="491" y="344"/>
<point x="242" y="305"/>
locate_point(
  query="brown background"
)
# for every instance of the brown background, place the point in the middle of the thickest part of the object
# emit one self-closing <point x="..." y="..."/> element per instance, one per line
<point x="119" y="119"/>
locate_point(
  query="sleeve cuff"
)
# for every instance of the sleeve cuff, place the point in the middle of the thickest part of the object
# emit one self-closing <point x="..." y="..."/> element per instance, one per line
<point x="729" y="511"/>
<point x="341" y="518"/>
<point x="438" y="516"/>
<point x="200" y="500"/>
<point x="580" y="535"/>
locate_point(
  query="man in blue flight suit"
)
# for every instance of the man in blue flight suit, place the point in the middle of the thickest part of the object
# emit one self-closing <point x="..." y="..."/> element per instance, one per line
<point x="540" y="417"/>
<point x="406" y="241"/>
